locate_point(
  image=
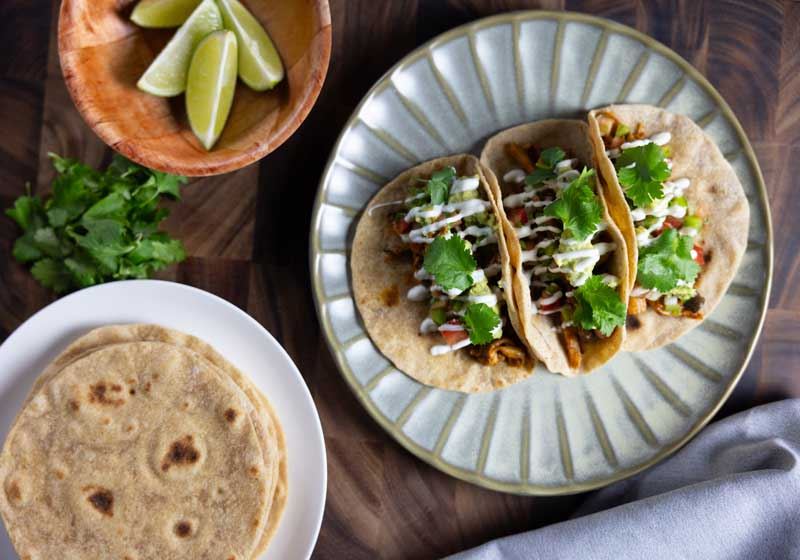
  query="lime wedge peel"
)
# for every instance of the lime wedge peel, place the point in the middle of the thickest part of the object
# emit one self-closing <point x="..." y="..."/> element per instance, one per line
<point x="211" y="85"/>
<point x="163" y="13"/>
<point x="260" y="65"/>
<point x="166" y="76"/>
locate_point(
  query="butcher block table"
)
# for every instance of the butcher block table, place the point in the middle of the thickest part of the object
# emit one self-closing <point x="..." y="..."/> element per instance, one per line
<point x="246" y="233"/>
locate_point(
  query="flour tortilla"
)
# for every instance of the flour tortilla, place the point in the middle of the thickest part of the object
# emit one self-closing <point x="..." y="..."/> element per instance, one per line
<point x="572" y="136"/>
<point x="715" y="193"/>
<point x="395" y="328"/>
<point x="266" y="421"/>
<point x="136" y="450"/>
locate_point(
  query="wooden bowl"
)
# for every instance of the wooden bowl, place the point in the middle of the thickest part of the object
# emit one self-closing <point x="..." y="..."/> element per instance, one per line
<point x="103" y="54"/>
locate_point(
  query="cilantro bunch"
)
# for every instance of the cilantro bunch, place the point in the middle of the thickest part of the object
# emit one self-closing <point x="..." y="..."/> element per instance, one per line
<point x="666" y="261"/>
<point x="451" y="263"/>
<point x="97" y="226"/>
<point x="598" y="306"/>
<point x="438" y="186"/>
<point x="641" y="172"/>
<point x="578" y="208"/>
<point x="545" y="166"/>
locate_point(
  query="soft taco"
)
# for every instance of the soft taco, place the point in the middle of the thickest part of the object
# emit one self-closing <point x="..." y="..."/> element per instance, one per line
<point x="431" y="278"/>
<point x="568" y="256"/>
<point x="684" y="212"/>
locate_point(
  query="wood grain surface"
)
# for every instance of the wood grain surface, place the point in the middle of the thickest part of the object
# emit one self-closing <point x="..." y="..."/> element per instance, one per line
<point x="247" y="232"/>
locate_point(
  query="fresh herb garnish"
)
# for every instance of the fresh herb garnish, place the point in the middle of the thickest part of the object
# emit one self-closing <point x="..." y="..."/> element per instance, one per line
<point x="545" y="166"/>
<point x="578" y="207"/>
<point x="598" y="306"/>
<point x="642" y="182"/>
<point x="451" y="263"/>
<point x="481" y="322"/>
<point x="667" y="260"/>
<point x="439" y="185"/>
<point x="96" y="226"/>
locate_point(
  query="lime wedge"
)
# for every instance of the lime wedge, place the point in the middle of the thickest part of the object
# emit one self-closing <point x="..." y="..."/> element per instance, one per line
<point x="163" y="13"/>
<point x="212" y="81"/>
<point x="166" y="76"/>
<point x="260" y="64"/>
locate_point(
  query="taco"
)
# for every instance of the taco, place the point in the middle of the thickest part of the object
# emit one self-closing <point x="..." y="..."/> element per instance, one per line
<point x="431" y="278"/>
<point x="568" y="256"/>
<point x="684" y="211"/>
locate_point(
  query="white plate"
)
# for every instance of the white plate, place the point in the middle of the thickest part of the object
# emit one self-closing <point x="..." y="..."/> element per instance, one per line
<point x="232" y="332"/>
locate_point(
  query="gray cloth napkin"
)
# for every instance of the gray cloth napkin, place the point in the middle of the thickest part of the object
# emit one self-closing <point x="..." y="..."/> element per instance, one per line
<point x="732" y="493"/>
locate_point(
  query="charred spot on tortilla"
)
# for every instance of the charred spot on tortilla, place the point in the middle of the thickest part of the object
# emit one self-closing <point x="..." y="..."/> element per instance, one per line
<point x="694" y="304"/>
<point x="98" y="394"/>
<point x="13" y="492"/>
<point x="182" y="452"/>
<point x="74" y="405"/>
<point x="231" y="415"/>
<point x="183" y="529"/>
<point x="390" y="296"/>
<point x="633" y="322"/>
<point x="101" y="499"/>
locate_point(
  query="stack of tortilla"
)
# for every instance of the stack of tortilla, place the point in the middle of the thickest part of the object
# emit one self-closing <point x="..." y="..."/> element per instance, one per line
<point x="139" y="442"/>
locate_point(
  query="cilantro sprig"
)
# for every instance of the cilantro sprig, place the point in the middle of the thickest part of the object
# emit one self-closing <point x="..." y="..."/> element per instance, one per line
<point x="643" y="181"/>
<point x="545" y="166"/>
<point x="578" y="208"/>
<point x="481" y="322"/>
<point x="450" y="261"/>
<point x="598" y="306"/>
<point x="96" y="226"/>
<point x="666" y="261"/>
<point x="438" y="186"/>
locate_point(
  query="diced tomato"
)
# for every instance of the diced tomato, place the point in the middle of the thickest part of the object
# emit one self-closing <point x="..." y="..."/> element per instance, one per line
<point x="671" y="222"/>
<point x="401" y="226"/>
<point x="518" y="216"/>
<point x="699" y="257"/>
<point x="452" y="337"/>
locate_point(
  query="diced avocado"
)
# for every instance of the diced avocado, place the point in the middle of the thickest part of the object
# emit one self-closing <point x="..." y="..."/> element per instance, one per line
<point x="649" y="221"/>
<point x="622" y="130"/>
<point x="439" y="315"/>
<point x="682" y="292"/>
<point x="465" y="195"/>
<point x="694" y="222"/>
<point x="480" y="288"/>
<point x="680" y="201"/>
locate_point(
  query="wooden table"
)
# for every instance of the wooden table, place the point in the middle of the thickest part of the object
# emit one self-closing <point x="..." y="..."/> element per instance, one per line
<point x="247" y="232"/>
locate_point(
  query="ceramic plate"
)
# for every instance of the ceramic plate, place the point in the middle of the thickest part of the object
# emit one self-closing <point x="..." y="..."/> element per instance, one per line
<point x="548" y="434"/>
<point x="236" y="335"/>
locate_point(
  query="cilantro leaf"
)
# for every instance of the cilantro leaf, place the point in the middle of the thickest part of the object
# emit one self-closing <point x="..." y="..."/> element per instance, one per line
<point x="578" y="208"/>
<point x="539" y="176"/>
<point x="550" y="157"/>
<point x="598" y="306"/>
<point x="438" y="185"/>
<point x="97" y="225"/>
<point x="27" y="212"/>
<point x="642" y="182"/>
<point x="481" y="322"/>
<point x="451" y="263"/>
<point x="545" y="166"/>
<point x="667" y="260"/>
<point x="52" y="274"/>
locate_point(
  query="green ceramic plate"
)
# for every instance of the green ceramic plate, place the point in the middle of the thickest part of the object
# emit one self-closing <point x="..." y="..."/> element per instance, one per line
<point x="548" y="434"/>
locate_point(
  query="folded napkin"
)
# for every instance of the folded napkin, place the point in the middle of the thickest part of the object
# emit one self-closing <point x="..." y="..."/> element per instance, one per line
<point x="732" y="493"/>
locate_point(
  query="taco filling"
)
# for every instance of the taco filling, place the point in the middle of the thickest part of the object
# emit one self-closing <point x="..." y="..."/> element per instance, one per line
<point x="565" y="246"/>
<point x="449" y="228"/>
<point x="669" y="232"/>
